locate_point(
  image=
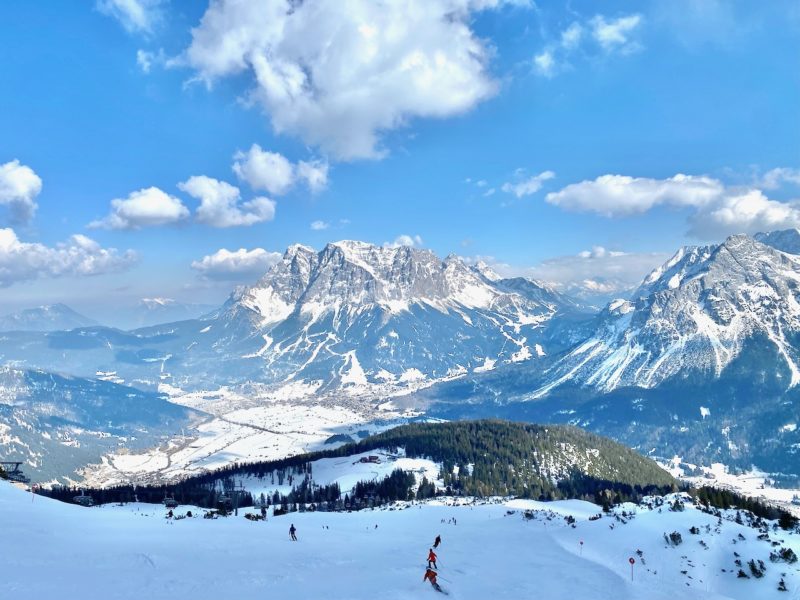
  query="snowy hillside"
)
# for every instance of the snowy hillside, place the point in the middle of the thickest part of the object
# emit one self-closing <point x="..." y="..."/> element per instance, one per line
<point x="488" y="550"/>
<point x="57" y="425"/>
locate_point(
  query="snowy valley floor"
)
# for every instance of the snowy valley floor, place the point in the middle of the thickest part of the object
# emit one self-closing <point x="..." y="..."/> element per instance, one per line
<point x="54" y="550"/>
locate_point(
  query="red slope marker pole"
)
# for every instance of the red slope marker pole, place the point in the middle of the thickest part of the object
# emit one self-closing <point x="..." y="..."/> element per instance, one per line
<point x="630" y="560"/>
<point x="581" y="547"/>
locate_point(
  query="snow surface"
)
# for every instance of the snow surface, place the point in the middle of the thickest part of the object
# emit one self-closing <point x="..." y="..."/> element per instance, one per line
<point x="132" y="551"/>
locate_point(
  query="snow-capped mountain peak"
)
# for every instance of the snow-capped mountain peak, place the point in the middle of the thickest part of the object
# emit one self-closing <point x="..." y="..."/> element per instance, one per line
<point x="357" y="307"/>
<point x="695" y="313"/>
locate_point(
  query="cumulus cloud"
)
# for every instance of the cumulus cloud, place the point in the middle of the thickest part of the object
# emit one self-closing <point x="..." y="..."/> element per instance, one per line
<point x="238" y="265"/>
<point x="136" y="16"/>
<point x="340" y="79"/>
<point x="413" y="241"/>
<point x="616" y="195"/>
<point x="274" y="173"/>
<point x="148" y="207"/>
<point x="748" y="211"/>
<point x="599" y="36"/>
<point x="78" y="256"/>
<point x="220" y="204"/>
<point x="264" y="170"/>
<point x="527" y="185"/>
<point x="319" y="225"/>
<point x="19" y="187"/>
<point x="717" y="210"/>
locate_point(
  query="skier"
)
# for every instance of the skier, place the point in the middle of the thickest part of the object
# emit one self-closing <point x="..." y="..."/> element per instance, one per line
<point x="292" y="531"/>
<point x="430" y="575"/>
<point x="264" y="512"/>
<point x="432" y="558"/>
<point x="437" y="541"/>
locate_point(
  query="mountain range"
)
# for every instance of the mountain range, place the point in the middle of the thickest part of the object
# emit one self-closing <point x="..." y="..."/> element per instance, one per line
<point x="702" y="360"/>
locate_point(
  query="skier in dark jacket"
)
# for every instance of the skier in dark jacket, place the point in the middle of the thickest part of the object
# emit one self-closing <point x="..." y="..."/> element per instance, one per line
<point x="430" y="575"/>
<point x="437" y="541"/>
<point x="432" y="558"/>
<point x="292" y="531"/>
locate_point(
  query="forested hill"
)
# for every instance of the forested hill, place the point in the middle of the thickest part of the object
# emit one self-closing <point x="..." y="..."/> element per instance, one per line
<point x="477" y="458"/>
<point x="505" y="456"/>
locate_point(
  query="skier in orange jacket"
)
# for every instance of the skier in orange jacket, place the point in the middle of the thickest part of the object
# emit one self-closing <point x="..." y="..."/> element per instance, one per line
<point x="432" y="558"/>
<point x="430" y="575"/>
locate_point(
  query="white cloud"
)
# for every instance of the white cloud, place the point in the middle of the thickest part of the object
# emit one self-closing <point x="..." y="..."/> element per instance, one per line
<point x="571" y="37"/>
<point x="147" y="59"/>
<point x="746" y="211"/>
<point x="339" y="79"/>
<point x="615" y="195"/>
<point x="717" y="210"/>
<point x="148" y="207"/>
<point x="264" y="170"/>
<point x="19" y="186"/>
<point x="220" y="203"/>
<point x="238" y="265"/>
<point x="775" y="178"/>
<point x="273" y="172"/>
<point x="615" y="34"/>
<point x="528" y="185"/>
<point x="611" y="36"/>
<point x="413" y="241"/>
<point x="136" y="16"/>
<point x="544" y="63"/>
<point x="319" y="225"/>
<point x="314" y="173"/>
<point x="80" y="255"/>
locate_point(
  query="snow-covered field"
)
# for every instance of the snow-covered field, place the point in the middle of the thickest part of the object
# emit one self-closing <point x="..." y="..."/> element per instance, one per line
<point x="120" y="552"/>
<point x="347" y="471"/>
<point x="242" y="430"/>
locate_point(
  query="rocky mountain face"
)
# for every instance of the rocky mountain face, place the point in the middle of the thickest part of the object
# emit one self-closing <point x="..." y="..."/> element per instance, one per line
<point x="694" y="315"/>
<point x="53" y="317"/>
<point x="355" y="314"/>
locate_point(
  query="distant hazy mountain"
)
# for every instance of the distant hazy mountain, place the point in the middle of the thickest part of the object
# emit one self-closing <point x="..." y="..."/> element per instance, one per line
<point x="155" y="311"/>
<point x="53" y="317"/>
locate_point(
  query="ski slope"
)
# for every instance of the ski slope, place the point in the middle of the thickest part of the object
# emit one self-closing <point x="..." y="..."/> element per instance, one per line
<point x="54" y="550"/>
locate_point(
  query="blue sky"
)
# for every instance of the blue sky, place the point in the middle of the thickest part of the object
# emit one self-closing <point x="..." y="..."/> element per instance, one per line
<point x="576" y="142"/>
